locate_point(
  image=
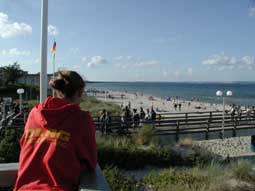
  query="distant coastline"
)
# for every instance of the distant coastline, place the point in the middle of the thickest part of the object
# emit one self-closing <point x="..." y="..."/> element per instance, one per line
<point x="243" y="92"/>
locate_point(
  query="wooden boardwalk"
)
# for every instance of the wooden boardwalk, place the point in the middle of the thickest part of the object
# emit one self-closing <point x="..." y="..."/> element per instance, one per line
<point x="187" y="123"/>
<point x="175" y="124"/>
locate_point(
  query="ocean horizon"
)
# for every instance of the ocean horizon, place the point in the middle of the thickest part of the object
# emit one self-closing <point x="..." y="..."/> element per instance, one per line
<point x="243" y="91"/>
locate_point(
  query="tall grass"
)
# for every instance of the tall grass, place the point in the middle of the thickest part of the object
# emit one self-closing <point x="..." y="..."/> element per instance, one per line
<point x="94" y="106"/>
<point x="145" y="135"/>
<point x="242" y="170"/>
<point x="115" y="142"/>
<point x="90" y="104"/>
<point x="237" y="176"/>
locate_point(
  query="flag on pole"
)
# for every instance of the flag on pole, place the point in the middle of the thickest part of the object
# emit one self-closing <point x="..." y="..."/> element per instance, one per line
<point x="53" y="49"/>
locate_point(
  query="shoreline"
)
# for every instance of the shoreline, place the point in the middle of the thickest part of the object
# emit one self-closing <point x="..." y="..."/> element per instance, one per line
<point x="160" y="105"/>
<point x="229" y="147"/>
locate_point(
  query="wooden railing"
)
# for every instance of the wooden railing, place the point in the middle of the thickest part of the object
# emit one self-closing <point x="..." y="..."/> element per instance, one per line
<point x="180" y="123"/>
<point x="89" y="181"/>
<point x="185" y="123"/>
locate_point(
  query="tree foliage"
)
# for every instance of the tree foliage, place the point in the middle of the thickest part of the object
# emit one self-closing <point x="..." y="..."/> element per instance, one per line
<point x="12" y="73"/>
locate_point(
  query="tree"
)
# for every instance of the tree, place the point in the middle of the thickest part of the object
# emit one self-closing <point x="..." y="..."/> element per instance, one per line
<point x="12" y="73"/>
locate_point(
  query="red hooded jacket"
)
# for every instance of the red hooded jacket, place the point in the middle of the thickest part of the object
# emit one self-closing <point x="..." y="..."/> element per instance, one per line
<point x="58" y="143"/>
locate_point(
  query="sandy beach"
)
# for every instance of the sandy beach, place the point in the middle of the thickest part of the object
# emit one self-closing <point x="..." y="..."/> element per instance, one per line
<point x="138" y="100"/>
<point x="232" y="147"/>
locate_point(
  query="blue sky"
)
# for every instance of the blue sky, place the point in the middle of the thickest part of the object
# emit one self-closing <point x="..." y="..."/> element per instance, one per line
<point x="135" y="40"/>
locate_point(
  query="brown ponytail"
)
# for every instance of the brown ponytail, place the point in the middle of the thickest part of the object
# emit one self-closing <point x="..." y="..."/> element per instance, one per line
<point x="68" y="83"/>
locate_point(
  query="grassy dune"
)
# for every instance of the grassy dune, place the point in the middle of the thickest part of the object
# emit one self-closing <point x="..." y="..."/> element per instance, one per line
<point x="118" y="153"/>
<point x="90" y="104"/>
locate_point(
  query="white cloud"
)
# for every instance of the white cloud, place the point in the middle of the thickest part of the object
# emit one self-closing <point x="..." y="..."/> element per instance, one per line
<point x="219" y="59"/>
<point x="228" y="62"/>
<point x="190" y="71"/>
<point x="122" y="66"/>
<point x="8" y="29"/>
<point x="165" y="73"/>
<point x="85" y="59"/>
<point x="94" y="61"/>
<point x="118" y="58"/>
<point x="177" y="73"/>
<point x="149" y="63"/>
<point x="52" y="30"/>
<point x="14" y="52"/>
<point x="248" y="60"/>
<point x="129" y="57"/>
<point x="252" y="11"/>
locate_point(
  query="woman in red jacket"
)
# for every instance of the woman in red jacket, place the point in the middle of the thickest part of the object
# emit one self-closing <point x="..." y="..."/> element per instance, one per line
<point x="58" y="141"/>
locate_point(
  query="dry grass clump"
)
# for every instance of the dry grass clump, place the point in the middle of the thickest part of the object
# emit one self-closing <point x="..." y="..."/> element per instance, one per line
<point x="242" y="170"/>
<point x="145" y="135"/>
<point x="186" y="142"/>
<point x="238" y="176"/>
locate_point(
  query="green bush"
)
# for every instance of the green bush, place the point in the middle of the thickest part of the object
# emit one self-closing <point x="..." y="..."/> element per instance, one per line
<point x="31" y="92"/>
<point x="126" y="154"/>
<point x="31" y="104"/>
<point x="9" y="145"/>
<point x="214" y="177"/>
<point x="169" y="179"/>
<point x="118" y="182"/>
<point x="242" y="170"/>
<point x="145" y="135"/>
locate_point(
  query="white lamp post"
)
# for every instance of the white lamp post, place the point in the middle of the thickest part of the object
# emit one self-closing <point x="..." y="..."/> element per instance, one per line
<point x="220" y="94"/>
<point x="20" y="92"/>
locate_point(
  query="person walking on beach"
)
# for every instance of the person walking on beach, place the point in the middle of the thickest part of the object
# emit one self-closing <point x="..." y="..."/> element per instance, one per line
<point x="232" y="111"/>
<point x="248" y="112"/>
<point x="103" y="119"/>
<point x="58" y="142"/>
<point x="180" y="106"/>
<point x="147" y="115"/>
<point x="126" y="119"/>
<point x="129" y="105"/>
<point x="153" y="114"/>
<point x="136" y="118"/>
<point x="142" y="114"/>
<point x="175" y="106"/>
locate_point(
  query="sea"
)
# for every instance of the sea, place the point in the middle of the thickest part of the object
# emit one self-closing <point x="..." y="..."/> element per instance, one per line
<point x="243" y="92"/>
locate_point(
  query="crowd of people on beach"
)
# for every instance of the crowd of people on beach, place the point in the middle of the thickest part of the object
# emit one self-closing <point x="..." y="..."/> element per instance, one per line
<point x="130" y="118"/>
<point x="237" y="112"/>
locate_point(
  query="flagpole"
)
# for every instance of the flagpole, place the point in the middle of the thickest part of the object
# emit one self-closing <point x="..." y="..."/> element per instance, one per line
<point x="53" y="91"/>
<point x="44" y="35"/>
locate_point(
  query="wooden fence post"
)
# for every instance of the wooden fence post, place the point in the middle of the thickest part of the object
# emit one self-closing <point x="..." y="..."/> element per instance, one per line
<point x="186" y="118"/>
<point x="210" y="117"/>
<point x="177" y="131"/>
<point x="4" y="114"/>
<point x="234" y="129"/>
<point x="207" y="130"/>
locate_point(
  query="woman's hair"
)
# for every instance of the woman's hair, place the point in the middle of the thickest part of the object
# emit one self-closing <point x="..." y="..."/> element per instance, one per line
<point x="67" y="82"/>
